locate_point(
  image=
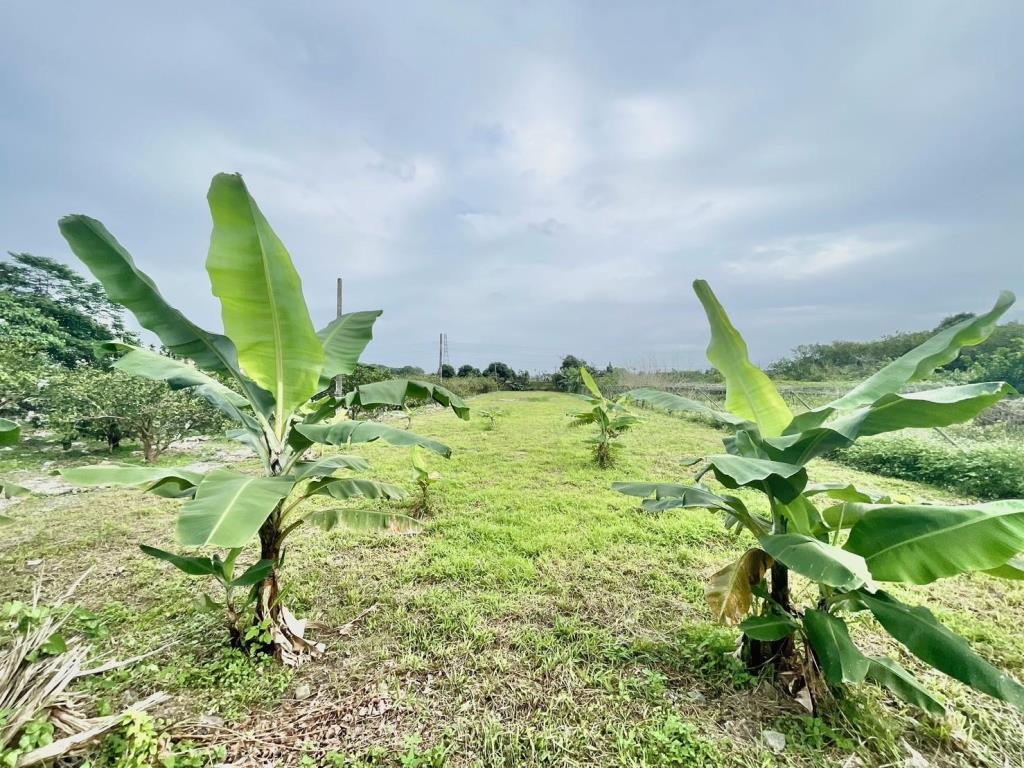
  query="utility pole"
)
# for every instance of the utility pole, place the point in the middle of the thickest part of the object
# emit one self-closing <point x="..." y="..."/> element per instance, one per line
<point x="440" y="356"/>
<point x="339" y="386"/>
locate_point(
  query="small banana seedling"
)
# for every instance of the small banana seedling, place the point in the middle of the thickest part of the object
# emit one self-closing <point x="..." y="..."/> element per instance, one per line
<point x="424" y="479"/>
<point x="492" y="415"/>
<point x="610" y="417"/>
<point x="842" y="543"/>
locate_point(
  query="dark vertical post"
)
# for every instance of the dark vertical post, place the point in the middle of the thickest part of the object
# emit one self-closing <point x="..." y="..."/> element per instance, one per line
<point x="339" y="386"/>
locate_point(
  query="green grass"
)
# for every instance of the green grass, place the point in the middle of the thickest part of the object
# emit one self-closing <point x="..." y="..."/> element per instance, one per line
<point x="541" y="619"/>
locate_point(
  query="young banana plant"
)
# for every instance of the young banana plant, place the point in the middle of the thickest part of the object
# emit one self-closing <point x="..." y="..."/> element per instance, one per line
<point x="423" y="477"/>
<point x="844" y="541"/>
<point x="609" y="416"/>
<point x="282" y="400"/>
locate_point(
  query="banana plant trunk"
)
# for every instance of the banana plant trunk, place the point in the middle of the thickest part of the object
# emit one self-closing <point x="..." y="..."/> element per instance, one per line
<point x="268" y="609"/>
<point x="772" y="654"/>
<point x="777" y="655"/>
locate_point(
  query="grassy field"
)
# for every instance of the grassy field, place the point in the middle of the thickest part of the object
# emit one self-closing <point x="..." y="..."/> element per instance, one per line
<point x="541" y="619"/>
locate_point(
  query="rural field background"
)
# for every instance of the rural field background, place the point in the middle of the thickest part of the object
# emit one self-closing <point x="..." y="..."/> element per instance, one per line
<point x="540" y="618"/>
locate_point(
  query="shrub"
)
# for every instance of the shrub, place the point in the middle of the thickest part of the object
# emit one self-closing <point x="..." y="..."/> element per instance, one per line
<point x="992" y="470"/>
<point x="1004" y="364"/>
<point x="115" y="406"/>
<point x="466" y="386"/>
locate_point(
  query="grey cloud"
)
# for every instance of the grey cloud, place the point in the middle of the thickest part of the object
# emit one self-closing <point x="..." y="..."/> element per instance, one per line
<point x="542" y="178"/>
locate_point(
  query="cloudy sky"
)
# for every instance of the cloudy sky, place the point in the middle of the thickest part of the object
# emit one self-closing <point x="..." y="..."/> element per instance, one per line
<point x="539" y="177"/>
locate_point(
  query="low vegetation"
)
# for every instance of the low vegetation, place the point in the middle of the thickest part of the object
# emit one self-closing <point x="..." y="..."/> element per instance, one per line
<point x="539" y="619"/>
<point x="984" y="463"/>
<point x="999" y="358"/>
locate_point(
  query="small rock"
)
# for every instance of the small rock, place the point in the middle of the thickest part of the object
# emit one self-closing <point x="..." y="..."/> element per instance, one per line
<point x="774" y="740"/>
<point x="214" y="720"/>
<point x="696" y="697"/>
<point x="914" y="758"/>
<point x="33" y="563"/>
<point x="302" y="691"/>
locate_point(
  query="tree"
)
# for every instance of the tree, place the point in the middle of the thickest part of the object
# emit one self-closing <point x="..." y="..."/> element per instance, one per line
<point x="114" y="406"/>
<point x="23" y="370"/>
<point x="447" y="371"/>
<point x="366" y="374"/>
<point x="465" y="371"/>
<point x="283" y="370"/>
<point x="51" y="308"/>
<point x="500" y="371"/>
<point x="855" y="542"/>
<point x="568" y="377"/>
<point x="506" y="377"/>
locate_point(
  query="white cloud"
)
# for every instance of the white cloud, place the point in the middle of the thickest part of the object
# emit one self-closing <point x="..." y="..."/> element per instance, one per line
<point x="810" y="256"/>
<point x="647" y="127"/>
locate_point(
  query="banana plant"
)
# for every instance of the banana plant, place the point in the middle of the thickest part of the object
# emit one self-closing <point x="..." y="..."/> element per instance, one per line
<point x="10" y="432"/>
<point x="609" y="416"/>
<point x="281" y="397"/>
<point x="423" y="477"/>
<point x="847" y="543"/>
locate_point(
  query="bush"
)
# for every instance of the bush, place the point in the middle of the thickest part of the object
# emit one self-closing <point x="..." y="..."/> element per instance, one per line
<point x="991" y="470"/>
<point x="114" y="406"/>
<point x="1004" y="364"/>
<point x="466" y="386"/>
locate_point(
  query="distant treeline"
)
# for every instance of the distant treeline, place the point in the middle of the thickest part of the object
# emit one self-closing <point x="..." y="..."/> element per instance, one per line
<point x="1001" y="357"/>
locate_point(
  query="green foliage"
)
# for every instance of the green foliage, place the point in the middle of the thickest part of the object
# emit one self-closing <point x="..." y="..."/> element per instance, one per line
<point x="48" y="308"/>
<point x="490" y="416"/>
<point x="840" y="360"/>
<point x="35" y="734"/>
<point x="141" y="741"/>
<point x="467" y="370"/>
<point x="89" y="402"/>
<point x="23" y="369"/>
<point x="10" y="433"/>
<point x="611" y="418"/>
<point x="991" y="469"/>
<point x="569" y="379"/>
<point x="281" y="397"/>
<point x="506" y="377"/>
<point x="670" y="742"/>
<point x="367" y="374"/>
<point x="467" y="386"/>
<point x="422" y="476"/>
<point x="857" y="540"/>
<point x="1001" y="364"/>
